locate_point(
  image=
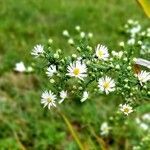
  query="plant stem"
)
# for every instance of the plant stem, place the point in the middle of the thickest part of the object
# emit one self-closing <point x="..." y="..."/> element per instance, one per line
<point x="72" y="131"/>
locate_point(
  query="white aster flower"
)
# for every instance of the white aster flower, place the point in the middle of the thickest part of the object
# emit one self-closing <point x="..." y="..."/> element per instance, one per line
<point x="143" y="76"/>
<point x="126" y="109"/>
<point x="63" y="96"/>
<point x="102" y="52"/>
<point x="104" y="129"/>
<point x="51" y="70"/>
<point x="37" y="50"/>
<point x="20" y="67"/>
<point x="48" y="99"/>
<point x="77" y="69"/>
<point x="106" y="84"/>
<point x="85" y="96"/>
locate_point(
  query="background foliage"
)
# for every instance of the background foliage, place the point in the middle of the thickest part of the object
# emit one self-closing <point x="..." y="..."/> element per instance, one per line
<point x="23" y="122"/>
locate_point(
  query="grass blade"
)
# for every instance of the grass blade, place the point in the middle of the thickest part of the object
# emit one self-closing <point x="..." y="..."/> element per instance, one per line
<point x="146" y="6"/>
<point x="72" y="131"/>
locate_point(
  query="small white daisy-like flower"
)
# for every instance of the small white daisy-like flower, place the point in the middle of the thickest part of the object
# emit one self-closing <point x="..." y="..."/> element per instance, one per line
<point x="20" y="67"/>
<point x="85" y="96"/>
<point x="106" y="84"/>
<point x="48" y="99"/>
<point x="104" y="129"/>
<point x="77" y="69"/>
<point x="63" y="96"/>
<point x="126" y="109"/>
<point x="37" y="50"/>
<point x="51" y="70"/>
<point x="143" y="76"/>
<point x="102" y="52"/>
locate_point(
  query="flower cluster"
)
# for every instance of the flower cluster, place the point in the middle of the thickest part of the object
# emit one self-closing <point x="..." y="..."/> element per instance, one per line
<point x="137" y="37"/>
<point x="104" y="129"/>
<point x="92" y="71"/>
<point x="144" y="121"/>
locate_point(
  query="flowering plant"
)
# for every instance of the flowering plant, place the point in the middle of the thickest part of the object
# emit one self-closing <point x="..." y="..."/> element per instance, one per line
<point x="93" y="71"/>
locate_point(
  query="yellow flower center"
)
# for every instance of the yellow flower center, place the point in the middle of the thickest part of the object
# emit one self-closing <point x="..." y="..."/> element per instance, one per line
<point x="76" y="71"/>
<point x="49" y="100"/>
<point x="126" y="110"/>
<point x="106" y="85"/>
<point x="100" y="53"/>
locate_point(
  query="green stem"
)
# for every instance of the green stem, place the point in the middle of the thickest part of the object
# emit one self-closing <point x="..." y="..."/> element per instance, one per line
<point x="72" y="130"/>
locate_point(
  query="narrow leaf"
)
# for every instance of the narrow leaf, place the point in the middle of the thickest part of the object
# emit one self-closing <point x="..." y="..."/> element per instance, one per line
<point x="146" y="6"/>
<point x="72" y="131"/>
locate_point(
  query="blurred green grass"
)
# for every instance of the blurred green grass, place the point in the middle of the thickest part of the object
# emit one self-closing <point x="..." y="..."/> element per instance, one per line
<point x="24" y="23"/>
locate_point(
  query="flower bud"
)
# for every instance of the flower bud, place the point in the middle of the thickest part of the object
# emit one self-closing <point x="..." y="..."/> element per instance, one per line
<point x="56" y="55"/>
<point x="74" y="87"/>
<point x="78" y="49"/>
<point x="50" y="41"/>
<point x="88" y="62"/>
<point x="89" y="48"/>
<point x="78" y="28"/>
<point x="52" y="81"/>
<point x="90" y="35"/>
<point x="65" y="33"/>
<point x="129" y="67"/>
<point x="70" y="41"/>
<point x="125" y="59"/>
<point x="74" y="55"/>
<point x="131" y="94"/>
<point x="59" y="51"/>
<point x="121" y="44"/>
<point x="82" y="34"/>
<point x="80" y="88"/>
<point x="117" y="66"/>
<point x="126" y="80"/>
